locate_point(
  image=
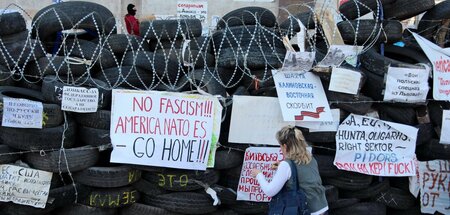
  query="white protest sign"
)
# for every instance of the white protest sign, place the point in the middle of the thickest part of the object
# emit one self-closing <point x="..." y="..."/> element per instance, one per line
<point x="24" y="186"/>
<point x="406" y="85"/>
<point x="164" y="129"/>
<point x="79" y="99"/>
<point x="440" y="59"/>
<point x="375" y="147"/>
<point x="329" y="126"/>
<point x="260" y="158"/>
<point x="298" y="61"/>
<point x="255" y="120"/>
<point x="22" y="113"/>
<point x="345" y="81"/>
<point x="434" y="186"/>
<point x="301" y="97"/>
<point x="337" y="54"/>
<point x="322" y="126"/>
<point x="193" y="10"/>
<point x="445" y="135"/>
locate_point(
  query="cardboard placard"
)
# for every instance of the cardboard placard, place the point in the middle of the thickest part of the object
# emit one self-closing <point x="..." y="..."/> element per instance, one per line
<point x="301" y="97"/>
<point x="22" y="113"/>
<point x="440" y="59"/>
<point x="375" y="147"/>
<point x="79" y="99"/>
<point x="24" y="186"/>
<point x="345" y="81"/>
<point x="434" y="179"/>
<point x="255" y="120"/>
<point x="406" y="85"/>
<point x="164" y="129"/>
<point x="445" y="135"/>
<point x="260" y="158"/>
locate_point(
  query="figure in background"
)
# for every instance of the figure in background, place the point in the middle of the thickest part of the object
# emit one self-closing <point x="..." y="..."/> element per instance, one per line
<point x="131" y="22"/>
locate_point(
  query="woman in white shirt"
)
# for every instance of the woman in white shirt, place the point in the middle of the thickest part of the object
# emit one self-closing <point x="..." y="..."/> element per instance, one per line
<point x="293" y="146"/>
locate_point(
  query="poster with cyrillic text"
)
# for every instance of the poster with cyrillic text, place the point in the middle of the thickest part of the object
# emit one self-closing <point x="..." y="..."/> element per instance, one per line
<point x="440" y="59"/>
<point x="24" y="186"/>
<point x="255" y="119"/>
<point x="164" y="129"/>
<point x="301" y="96"/>
<point x="434" y="179"/>
<point x="406" y="85"/>
<point x="261" y="158"/>
<point x="22" y="113"/>
<point x="375" y="147"/>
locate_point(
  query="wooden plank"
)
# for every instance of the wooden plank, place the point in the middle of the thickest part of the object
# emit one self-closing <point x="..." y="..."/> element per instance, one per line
<point x="326" y="12"/>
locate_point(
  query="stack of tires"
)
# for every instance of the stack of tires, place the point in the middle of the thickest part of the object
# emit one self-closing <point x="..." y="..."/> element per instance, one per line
<point x="248" y="45"/>
<point x="16" y="48"/>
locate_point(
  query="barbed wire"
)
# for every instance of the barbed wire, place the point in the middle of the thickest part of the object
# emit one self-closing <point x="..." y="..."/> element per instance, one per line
<point x="247" y="47"/>
<point x="228" y="57"/>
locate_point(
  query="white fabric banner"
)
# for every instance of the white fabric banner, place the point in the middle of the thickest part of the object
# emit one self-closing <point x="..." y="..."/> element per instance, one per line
<point x="164" y="129"/>
<point x="24" y="186"/>
<point x="261" y="158"/>
<point x="255" y="119"/>
<point x="22" y="113"/>
<point x="375" y="147"/>
<point x="434" y="186"/>
<point x="440" y="59"/>
<point x="301" y="96"/>
<point x="406" y="85"/>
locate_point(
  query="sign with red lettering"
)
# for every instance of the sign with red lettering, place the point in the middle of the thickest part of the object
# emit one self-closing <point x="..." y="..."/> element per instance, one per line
<point x="261" y="158"/>
<point x="440" y="58"/>
<point x="164" y="129"/>
<point x="301" y="96"/>
<point x="193" y="10"/>
<point x="374" y="147"/>
<point x="434" y="179"/>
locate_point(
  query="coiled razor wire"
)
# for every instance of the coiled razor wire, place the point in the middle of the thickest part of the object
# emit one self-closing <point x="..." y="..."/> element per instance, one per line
<point x="258" y="39"/>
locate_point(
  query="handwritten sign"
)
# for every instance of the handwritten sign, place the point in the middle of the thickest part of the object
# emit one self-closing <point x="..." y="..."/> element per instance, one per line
<point x="79" y="99"/>
<point x="375" y="147"/>
<point x="301" y="96"/>
<point x="440" y="59"/>
<point x="24" y="186"/>
<point x="260" y="158"/>
<point x="445" y="135"/>
<point x="193" y="10"/>
<point x="434" y="186"/>
<point x="255" y="124"/>
<point x="406" y="85"/>
<point x="164" y="129"/>
<point x="345" y="81"/>
<point x="298" y="61"/>
<point x="322" y="126"/>
<point x="21" y="113"/>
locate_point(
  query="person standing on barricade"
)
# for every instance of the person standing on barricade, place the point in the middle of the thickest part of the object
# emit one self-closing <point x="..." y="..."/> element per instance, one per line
<point x="131" y="22"/>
